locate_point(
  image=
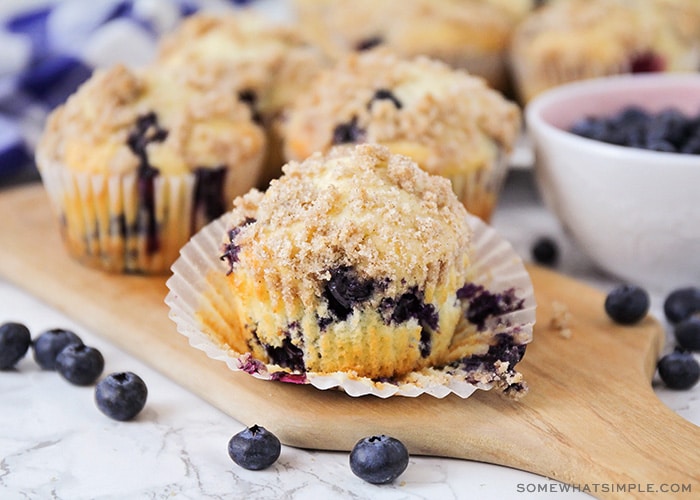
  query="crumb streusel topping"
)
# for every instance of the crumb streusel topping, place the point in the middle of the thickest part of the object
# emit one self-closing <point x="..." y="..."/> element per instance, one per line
<point x="361" y="208"/>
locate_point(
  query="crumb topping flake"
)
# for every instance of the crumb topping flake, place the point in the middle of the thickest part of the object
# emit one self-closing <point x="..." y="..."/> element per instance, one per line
<point x="359" y="207"/>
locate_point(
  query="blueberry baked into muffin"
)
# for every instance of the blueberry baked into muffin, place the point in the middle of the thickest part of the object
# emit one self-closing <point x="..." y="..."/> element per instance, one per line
<point x="135" y="162"/>
<point x="468" y="34"/>
<point x="451" y="123"/>
<point x="357" y="262"/>
<point x="266" y="63"/>
<point x="572" y="40"/>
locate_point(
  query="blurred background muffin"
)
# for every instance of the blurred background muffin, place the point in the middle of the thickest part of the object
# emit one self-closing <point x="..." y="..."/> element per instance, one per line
<point x="468" y="34"/>
<point x="264" y="62"/>
<point x="451" y="123"/>
<point x="569" y="40"/>
<point x="136" y="161"/>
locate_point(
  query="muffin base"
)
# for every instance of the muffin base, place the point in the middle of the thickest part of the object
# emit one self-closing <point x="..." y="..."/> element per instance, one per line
<point x="198" y="304"/>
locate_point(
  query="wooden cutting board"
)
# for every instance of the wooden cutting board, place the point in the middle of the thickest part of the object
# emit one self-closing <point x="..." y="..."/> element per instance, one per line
<point x="591" y="416"/>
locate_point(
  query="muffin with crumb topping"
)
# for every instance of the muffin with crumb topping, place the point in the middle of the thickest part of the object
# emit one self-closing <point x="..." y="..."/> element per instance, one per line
<point x="572" y="40"/>
<point x="267" y="64"/>
<point x="136" y="161"/>
<point x="451" y="123"/>
<point x="469" y="34"/>
<point x="356" y="269"/>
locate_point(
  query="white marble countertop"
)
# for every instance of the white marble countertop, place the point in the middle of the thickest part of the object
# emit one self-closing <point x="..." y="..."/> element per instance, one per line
<point x="54" y="443"/>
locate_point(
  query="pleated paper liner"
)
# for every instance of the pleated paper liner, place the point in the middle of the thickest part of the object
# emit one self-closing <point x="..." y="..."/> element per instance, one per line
<point x="197" y="289"/>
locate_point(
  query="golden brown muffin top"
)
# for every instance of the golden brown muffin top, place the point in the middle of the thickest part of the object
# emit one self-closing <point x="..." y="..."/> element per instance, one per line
<point x="445" y="119"/>
<point x="120" y="114"/>
<point x="245" y="51"/>
<point x="607" y="33"/>
<point x="357" y="206"/>
<point x="416" y="27"/>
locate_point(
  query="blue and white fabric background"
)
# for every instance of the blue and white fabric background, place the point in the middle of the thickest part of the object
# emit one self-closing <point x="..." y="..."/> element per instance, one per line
<point x="49" y="47"/>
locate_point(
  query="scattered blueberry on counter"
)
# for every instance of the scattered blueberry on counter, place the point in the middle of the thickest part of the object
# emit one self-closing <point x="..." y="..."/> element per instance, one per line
<point x="80" y="364"/>
<point x="679" y="370"/>
<point x="545" y="251"/>
<point x="668" y="130"/>
<point x="15" y="340"/>
<point x="682" y="303"/>
<point x="254" y="448"/>
<point x="627" y="304"/>
<point x="687" y="333"/>
<point x="121" y="396"/>
<point x="49" y="343"/>
<point x="378" y="459"/>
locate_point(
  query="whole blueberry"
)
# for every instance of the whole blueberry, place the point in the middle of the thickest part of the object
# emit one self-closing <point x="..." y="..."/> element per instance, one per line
<point x="254" y="448"/>
<point x="15" y="340"/>
<point x="682" y="303"/>
<point x="545" y="251"/>
<point x="121" y="396"/>
<point x="378" y="459"/>
<point x="627" y="304"/>
<point x="80" y="364"/>
<point x="50" y="343"/>
<point x="687" y="333"/>
<point x="679" y="370"/>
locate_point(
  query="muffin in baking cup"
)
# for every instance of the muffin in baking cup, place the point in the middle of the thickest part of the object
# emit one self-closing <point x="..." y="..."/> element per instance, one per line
<point x="135" y="162"/>
<point x="451" y="123"/>
<point x="582" y="39"/>
<point x="471" y="314"/>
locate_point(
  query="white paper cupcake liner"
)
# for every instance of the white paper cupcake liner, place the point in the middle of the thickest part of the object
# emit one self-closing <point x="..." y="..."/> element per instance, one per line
<point x="496" y="267"/>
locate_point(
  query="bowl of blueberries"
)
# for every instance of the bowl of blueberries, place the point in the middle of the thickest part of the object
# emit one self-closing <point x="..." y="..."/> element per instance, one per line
<point x="617" y="160"/>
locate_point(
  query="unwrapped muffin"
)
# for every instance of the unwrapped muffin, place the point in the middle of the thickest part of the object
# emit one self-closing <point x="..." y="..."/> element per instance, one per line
<point x="570" y="40"/>
<point x="266" y="63"/>
<point x="468" y="34"/>
<point x="135" y="162"/>
<point x="448" y="121"/>
<point x="355" y="269"/>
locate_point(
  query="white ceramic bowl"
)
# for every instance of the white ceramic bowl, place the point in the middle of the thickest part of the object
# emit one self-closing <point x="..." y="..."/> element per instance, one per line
<point x="636" y="213"/>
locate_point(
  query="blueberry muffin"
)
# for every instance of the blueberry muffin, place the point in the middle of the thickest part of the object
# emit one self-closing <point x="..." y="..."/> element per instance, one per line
<point x="355" y="262"/>
<point x="136" y="162"/>
<point x="451" y="123"/>
<point x="267" y="64"/>
<point x="468" y="34"/>
<point x="571" y="40"/>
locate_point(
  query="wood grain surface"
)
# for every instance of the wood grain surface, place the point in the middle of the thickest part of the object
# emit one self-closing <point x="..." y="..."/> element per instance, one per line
<point x="591" y="416"/>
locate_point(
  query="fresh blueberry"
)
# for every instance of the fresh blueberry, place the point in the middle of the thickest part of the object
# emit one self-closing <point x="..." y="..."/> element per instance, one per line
<point x="347" y="132"/>
<point x="679" y="370"/>
<point x="378" y="459"/>
<point x="50" y="343"/>
<point x="627" y="304"/>
<point x="121" y="396"/>
<point x="385" y="94"/>
<point x="80" y="364"/>
<point x="545" y="251"/>
<point x="682" y="303"/>
<point x="254" y="448"/>
<point x="687" y="333"/>
<point x="15" y="340"/>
